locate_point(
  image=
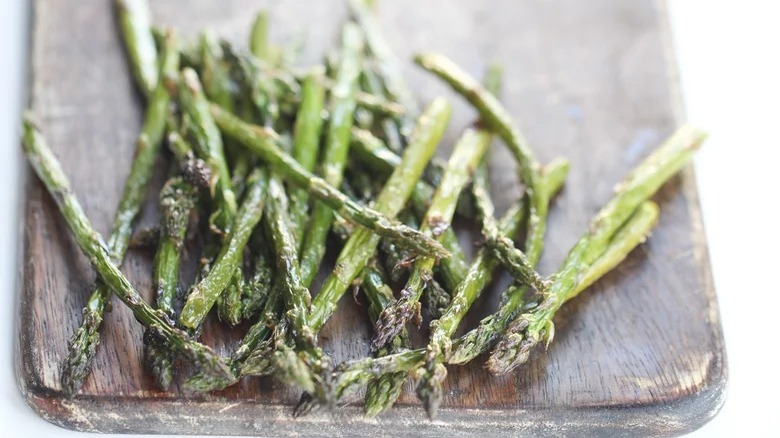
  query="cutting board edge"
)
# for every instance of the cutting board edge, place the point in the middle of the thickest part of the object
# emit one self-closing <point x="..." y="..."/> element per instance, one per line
<point x="211" y="417"/>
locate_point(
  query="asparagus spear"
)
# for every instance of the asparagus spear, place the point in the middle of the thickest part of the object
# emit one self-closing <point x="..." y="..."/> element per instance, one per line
<point x="527" y="330"/>
<point x="479" y="339"/>
<point x="263" y="142"/>
<point x="630" y="235"/>
<point x="215" y="76"/>
<point x="383" y="391"/>
<point x="342" y="110"/>
<point x="496" y="116"/>
<point x="177" y="199"/>
<point x="258" y="288"/>
<point x="362" y="244"/>
<point x="308" y="127"/>
<point x="378" y="156"/>
<point x="208" y="145"/>
<point x="203" y="295"/>
<point x="258" y="37"/>
<point x="502" y="245"/>
<point x="83" y="343"/>
<point x="432" y="376"/>
<point x="136" y="24"/>
<point x="193" y="170"/>
<point x="387" y="63"/>
<point x="465" y="158"/>
<point x="307" y="364"/>
<point x="350" y="374"/>
<point x="48" y="169"/>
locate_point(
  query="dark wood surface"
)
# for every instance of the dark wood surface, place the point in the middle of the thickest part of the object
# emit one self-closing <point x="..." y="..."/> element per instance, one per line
<point x="641" y="353"/>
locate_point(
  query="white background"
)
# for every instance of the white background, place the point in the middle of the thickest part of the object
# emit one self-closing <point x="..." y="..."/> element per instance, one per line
<point x="728" y="53"/>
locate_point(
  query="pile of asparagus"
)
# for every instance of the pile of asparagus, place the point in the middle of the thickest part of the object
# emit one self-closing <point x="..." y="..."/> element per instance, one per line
<point x="275" y="161"/>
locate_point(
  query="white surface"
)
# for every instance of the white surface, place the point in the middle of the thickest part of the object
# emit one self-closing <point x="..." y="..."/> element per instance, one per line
<point x="728" y="54"/>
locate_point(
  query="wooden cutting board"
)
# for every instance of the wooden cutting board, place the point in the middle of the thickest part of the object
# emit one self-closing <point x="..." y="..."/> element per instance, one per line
<point x="641" y="353"/>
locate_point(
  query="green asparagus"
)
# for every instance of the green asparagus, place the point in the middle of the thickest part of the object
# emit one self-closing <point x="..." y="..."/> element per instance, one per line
<point x="136" y="24"/>
<point x="464" y="159"/>
<point x="342" y="110"/>
<point x="263" y="142"/>
<point x="177" y="199"/>
<point x="204" y="294"/>
<point x="528" y="329"/>
<point x="206" y="363"/>
<point x="83" y="343"/>
<point x="361" y="245"/>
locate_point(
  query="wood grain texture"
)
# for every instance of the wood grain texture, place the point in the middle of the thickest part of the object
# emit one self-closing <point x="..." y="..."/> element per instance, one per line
<point x="640" y="354"/>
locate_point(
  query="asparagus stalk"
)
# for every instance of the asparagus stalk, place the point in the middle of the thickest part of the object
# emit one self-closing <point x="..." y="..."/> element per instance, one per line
<point x="258" y="288"/>
<point x="83" y="343"/>
<point x="496" y="116"/>
<point x="135" y="23"/>
<point x="350" y="374"/>
<point x="204" y="294"/>
<point x="308" y="128"/>
<point x="382" y="392"/>
<point x="387" y="63"/>
<point x="207" y="363"/>
<point x="432" y="376"/>
<point x="306" y="364"/>
<point x="194" y="170"/>
<point x="465" y="158"/>
<point x="379" y="157"/>
<point x="362" y="244"/>
<point x="177" y="199"/>
<point x="464" y="349"/>
<point x="342" y="111"/>
<point x="527" y="330"/>
<point x="257" y="334"/>
<point x="258" y="38"/>
<point x="263" y="142"/>
<point x="208" y="145"/>
<point x="479" y="339"/>
<point x="215" y="76"/>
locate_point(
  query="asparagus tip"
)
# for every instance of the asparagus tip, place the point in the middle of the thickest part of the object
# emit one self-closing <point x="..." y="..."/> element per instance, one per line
<point x="392" y="320"/>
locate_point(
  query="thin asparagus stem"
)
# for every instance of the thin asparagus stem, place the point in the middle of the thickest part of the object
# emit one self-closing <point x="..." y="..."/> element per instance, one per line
<point x="481" y="338"/>
<point x="262" y="141"/>
<point x="215" y="76"/>
<point x="258" y="38"/>
<point x="383" y="391"/>
<point x="135" y="23"/>
<point x="361" y="246"/>
<point x="218" y="88"/>
<point x="350" y="374"/>
<point x="308" y="128"/>
<point x="208" y="145"/>
<point x="83" y="343"/>
<point x="493" y="113"/>
<point x="501" y="245"/>
<point x="379" y="157"/>
<point x="342" y="111"/>
<point x="527" y="330"/>
<point x="465" y="158"/>
<point x="306" y="365"/>
<point x="258" y="288"/>
<point x="207" y="364"/>
<point x="204" y="294"/>
<point x="258" y="333"/>
<point x="430" y="386"/>
<point x="177" y="199"/>
<point x="387" y="63"/>
<point x="633" y="233"/>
